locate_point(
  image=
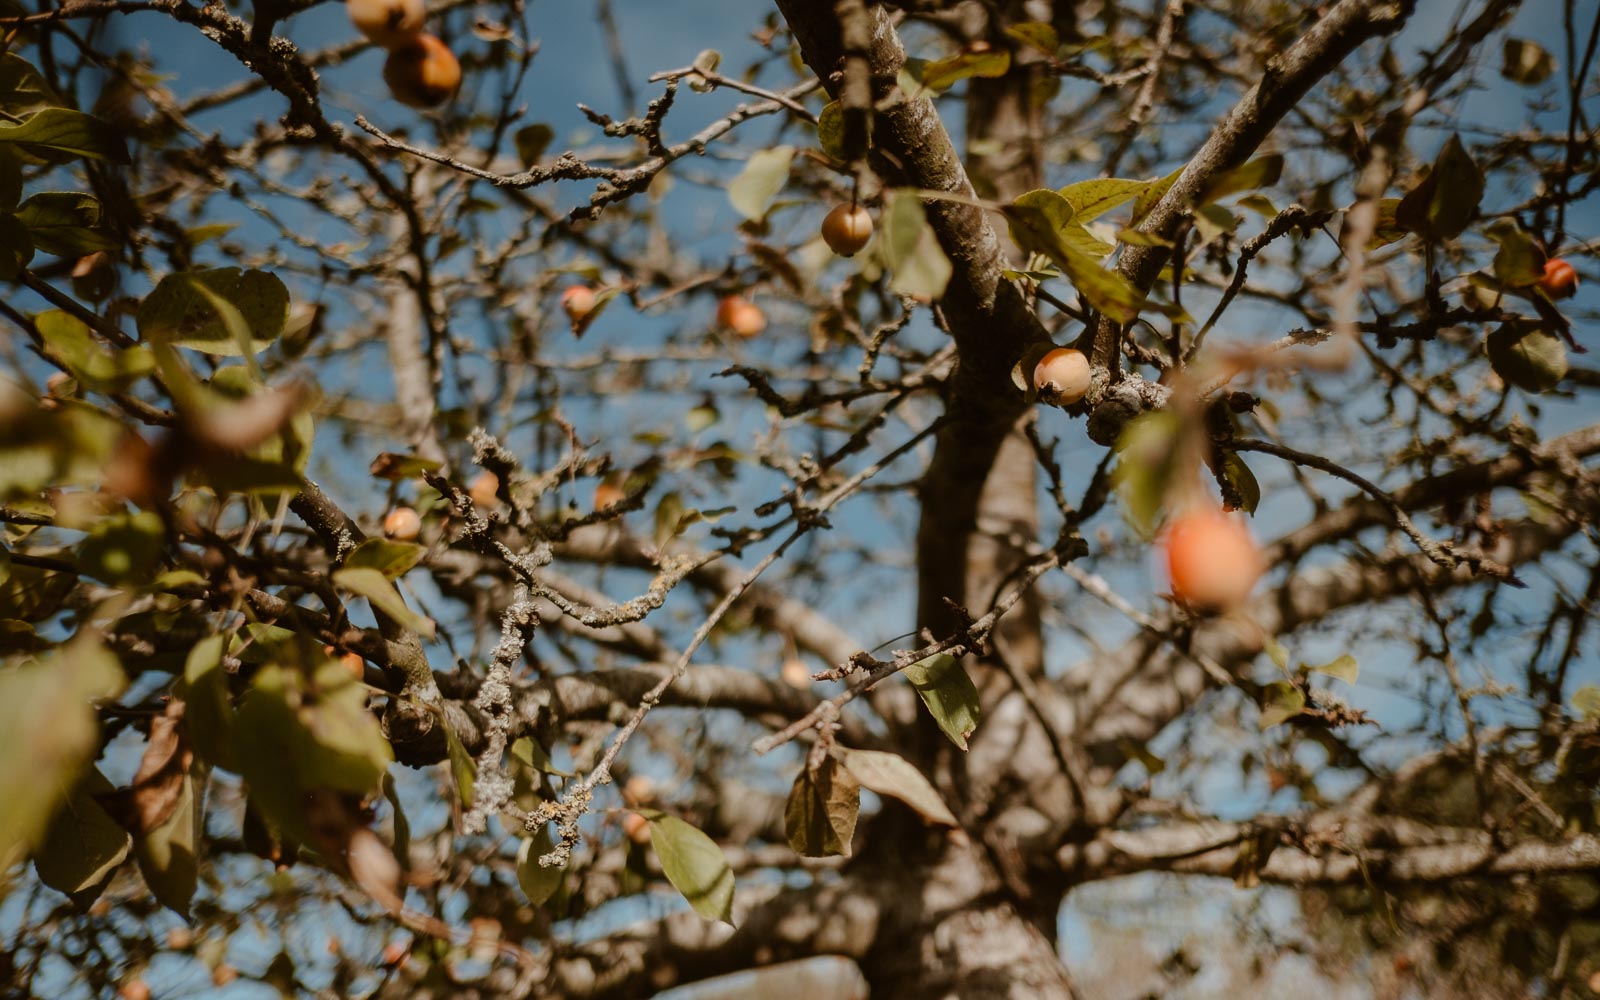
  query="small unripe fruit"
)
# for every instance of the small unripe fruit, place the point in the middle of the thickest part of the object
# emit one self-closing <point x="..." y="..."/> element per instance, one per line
<point x="180" y="938"/>
<point x="796" y="675"/>
<point x="484" y="489"/>
<point x="1560" y="280"/>
<point x="1062" y="376"/>
<point x="741" y="316"/>
<point x="390" y="23"/>
<point x="223" y="974"/>
<point x="402" y="524"/>
<point x="847" y="229"/>
<point x="1212" y="561"/>
<point x="637" y="828"/>
<point x="394" y="953"/>
<point x="422" y="72"/>
<point x="577" y="302"/>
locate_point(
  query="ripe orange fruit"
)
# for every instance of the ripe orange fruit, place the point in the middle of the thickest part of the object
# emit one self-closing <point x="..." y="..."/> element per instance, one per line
<point x="422" y="72"/>
<point x="390" y="23"/>
<point x="741" y="316"/>
<point x="847" y="229"/>
<point x="639" y="790"/>
<point x="1560" y="279"/>
<point x="1212" y="561"/>
<point x="1062" y="376"/>
<point x="577" y="302"/>
<point x="403" y="524"/>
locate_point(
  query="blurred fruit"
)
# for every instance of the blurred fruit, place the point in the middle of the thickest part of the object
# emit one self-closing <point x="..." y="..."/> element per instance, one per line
<point x="484" y="489"/>
<point x="390" y="23"/>
<point x="741" y="316"/>
<point x="578" y="302"/>
<point x="1212" y="561"/>
<point x="422" y="72"/>
<point x="639" y="790"/>
<point x="796" y="674"/>
<point x="637" y="828"/>
<point x="403" y="524"/>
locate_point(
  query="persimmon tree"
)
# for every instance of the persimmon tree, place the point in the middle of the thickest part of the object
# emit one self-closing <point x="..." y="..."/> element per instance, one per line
<point x="452" y="544"/>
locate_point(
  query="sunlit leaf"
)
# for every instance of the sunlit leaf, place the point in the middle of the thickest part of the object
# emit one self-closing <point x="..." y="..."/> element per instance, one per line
<point x="60" y="130"/>
<point x="83" y="844"/>
<point x="1280" y="701"/>
<point x="694" y="864"/>
<point x="180" y="312"/>
<point x="1344" y="667"/>
<point x="391" y="558"/>
<point x="891" y="774"/>
<point x="375" y="587"/>
<point x="1148" y="462"/>
<point x="951" y="697"/>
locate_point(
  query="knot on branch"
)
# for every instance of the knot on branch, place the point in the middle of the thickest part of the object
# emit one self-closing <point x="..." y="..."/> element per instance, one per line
<point x="1121" y="403"/>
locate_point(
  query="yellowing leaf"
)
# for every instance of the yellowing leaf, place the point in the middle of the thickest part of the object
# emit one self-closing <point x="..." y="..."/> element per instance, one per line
<point x="891" y="774"/>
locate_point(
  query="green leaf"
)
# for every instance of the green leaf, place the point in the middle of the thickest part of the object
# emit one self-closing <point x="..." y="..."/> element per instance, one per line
<point x="1152" y="194"/>
<point x="1037" y="35"/>
<point x="295" y="734"/>
<point x="891" y="774"/>
<point x="1042" y="222"/>
<point x="1526" y="62"/>
<point x="532" y="141"/>
<point x="1148" y="462"/>
<point x="1093" y="198"/>
<point x="1280" y="701"/>
<point x="392" y="559"/>
<point x="59" y="130"/>
<point x="1263" y="171"/>
<point x="396" y="467"/>
<point x="1243" y="481"/>
<point x="820" y="816"/>
<point x="51" y="732"/>
<point x="907" y="248"/>
<point x="528" y="750"/>
<point x="83" y="844"/>
<point x="830" y="130"/>
<point x="16" y="247"/>
<point x="951" y="697"/>
<point x="1519" y="262"/>
<point x="463" y="769"/>
<point x="1445" y="202"/>
<point x="1530" y="359"/>
<point x="167" y="855"/>
<point x="1278" y="654"/>
<point x="694" y="864"/>
<point x="375" y="587"/>
<point x="179" y="311"/>
<point x="65" y="223"/>
<point x="941" y="74"/>
<point x="208" y="709"/>
<point x="97" y="366"/>
<point x="1344" y="668"/>
<point x="1386" y="229"/>
<point x="763" y="176"/>
<point x="23" y="89"/>
<point x="123" y="548"/>
<point x="538" y="882"/>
